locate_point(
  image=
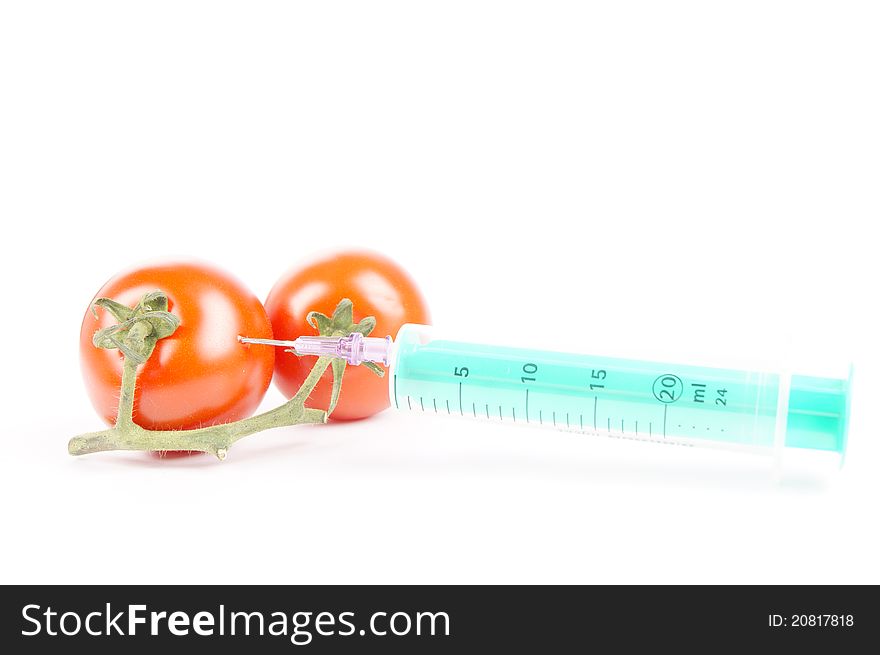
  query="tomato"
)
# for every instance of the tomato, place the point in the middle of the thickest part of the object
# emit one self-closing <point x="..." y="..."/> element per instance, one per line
<point x="377" y="286"/>
<point x="200" y="375"/>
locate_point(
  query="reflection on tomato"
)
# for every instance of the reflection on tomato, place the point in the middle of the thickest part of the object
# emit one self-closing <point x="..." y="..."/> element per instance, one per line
<point x="377" y="286"/>
<point x="201" y="375"/>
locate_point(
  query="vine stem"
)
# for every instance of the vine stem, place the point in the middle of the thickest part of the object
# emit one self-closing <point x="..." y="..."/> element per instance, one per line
<point x="215" y="439"/>
<point x="125" y="412"/>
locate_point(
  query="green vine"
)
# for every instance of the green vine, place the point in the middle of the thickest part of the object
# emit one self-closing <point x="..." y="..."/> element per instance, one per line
<point x="136" y="334"/>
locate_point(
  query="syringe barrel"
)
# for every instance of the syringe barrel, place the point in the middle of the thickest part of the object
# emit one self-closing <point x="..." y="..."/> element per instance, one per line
<point x="668" y="403"/>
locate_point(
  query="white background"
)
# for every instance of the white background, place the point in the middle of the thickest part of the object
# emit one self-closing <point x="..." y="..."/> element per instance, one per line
<point x="635" y="178"/>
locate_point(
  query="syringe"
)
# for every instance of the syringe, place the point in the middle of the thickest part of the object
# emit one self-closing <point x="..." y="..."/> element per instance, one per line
<point x="666" y="403"/>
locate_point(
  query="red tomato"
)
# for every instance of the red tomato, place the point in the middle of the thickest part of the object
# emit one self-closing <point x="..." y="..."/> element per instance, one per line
<point x="377" y="286"/>
<point x="200" y="375"/>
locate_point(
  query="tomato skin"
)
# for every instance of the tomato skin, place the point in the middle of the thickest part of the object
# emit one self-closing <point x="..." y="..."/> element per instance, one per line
<point x="377" y="286"/>
<point x="200" y="375"/>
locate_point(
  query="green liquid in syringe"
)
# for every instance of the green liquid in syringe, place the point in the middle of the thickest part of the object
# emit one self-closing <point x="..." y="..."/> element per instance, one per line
<point x="625" y="398"/>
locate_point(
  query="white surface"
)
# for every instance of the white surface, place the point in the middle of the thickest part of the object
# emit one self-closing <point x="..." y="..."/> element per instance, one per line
<point x="655" y="177"/>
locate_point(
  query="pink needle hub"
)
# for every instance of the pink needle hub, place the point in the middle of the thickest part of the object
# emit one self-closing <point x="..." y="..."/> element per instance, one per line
<point x="354" y="349"/>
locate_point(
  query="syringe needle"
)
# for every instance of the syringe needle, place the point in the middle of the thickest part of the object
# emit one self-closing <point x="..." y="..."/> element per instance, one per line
<point x="267" y="342"/>
<point x="355" y="348"/>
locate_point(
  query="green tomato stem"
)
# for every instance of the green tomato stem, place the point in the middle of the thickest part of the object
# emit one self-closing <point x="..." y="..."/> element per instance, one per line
<point x="125" y="412"/>
<point x="215" y="439"/>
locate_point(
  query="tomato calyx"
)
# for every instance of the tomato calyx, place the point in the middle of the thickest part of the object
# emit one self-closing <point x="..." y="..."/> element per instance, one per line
<point x="139" y="328"/>
<point x="341" y="324"/>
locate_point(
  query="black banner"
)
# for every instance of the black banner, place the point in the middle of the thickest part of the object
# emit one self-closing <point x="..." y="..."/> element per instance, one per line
<point x="415" y="619"/>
